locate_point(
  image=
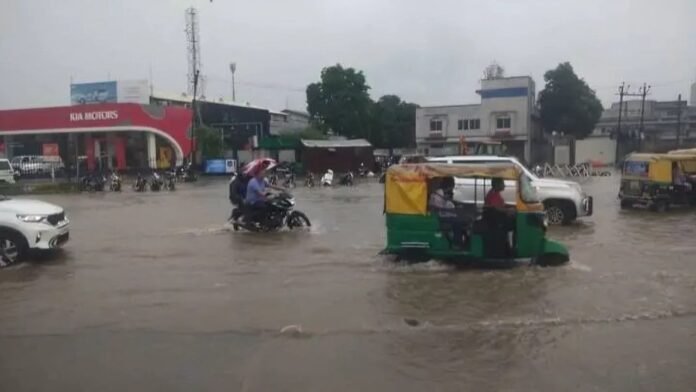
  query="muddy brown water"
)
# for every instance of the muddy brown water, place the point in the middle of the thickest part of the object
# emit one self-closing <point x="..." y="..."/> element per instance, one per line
<point x="155" y="293"/>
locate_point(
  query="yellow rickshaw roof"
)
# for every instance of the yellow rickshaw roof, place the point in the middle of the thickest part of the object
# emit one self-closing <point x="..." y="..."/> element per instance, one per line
<point x="687" y="151"/>
<point x="424" y="171"/>
<point x="648" y="157"/>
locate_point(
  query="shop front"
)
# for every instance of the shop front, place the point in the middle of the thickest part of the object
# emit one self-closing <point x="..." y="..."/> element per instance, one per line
<point x="100" y="137"/>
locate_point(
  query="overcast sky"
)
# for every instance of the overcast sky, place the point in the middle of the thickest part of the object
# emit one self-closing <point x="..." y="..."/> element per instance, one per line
<point x="428" y="52"/>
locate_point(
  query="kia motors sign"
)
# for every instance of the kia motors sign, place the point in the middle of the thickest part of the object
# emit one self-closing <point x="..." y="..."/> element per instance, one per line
<point x="95" y="115"/>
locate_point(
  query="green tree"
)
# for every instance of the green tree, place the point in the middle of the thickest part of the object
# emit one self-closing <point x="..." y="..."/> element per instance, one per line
<point x="393" y="123"/>
<point x="340" y="102"/>
<point x="567" y="104"/>
<point x="209" y="141"/>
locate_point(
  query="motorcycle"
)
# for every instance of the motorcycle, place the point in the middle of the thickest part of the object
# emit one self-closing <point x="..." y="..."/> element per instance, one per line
<point x="289" y="180"/>
<point x="156" y="182"/>
<point x="347" y="179"/>
<point x="92" y="183"/>
<point x="115" y="184"/>
<point x="186" y="174"/>
<point x="327" y="178"/>
<point x="309" y="180"/>
<point x="277" y="214"/>
<point x="169" y="182"/>
<point x="140" y="184"/>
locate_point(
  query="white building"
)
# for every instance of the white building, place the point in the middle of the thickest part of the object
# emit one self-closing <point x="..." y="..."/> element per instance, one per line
<point x="288" y="121"/>
<point x="506" y="113"/>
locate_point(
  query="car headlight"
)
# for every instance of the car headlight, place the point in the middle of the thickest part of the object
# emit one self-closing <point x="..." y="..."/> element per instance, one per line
<point x="31" y="218"/>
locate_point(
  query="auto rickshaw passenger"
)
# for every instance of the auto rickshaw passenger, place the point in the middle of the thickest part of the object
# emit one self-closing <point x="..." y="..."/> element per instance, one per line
<point x="442" y="203"/>
<point x="678" y="177"/>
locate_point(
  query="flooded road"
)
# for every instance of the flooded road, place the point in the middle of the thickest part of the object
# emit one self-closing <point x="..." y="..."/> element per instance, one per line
<point x="155" y="292"/>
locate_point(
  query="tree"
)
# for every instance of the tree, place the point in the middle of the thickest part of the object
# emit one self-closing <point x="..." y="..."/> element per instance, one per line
<point x="393" y="123"/>
<point x="340" y="102"/>
<point x="567" y="104"/>
<point x="493" y="71"/>
<point x="209" y="142"/>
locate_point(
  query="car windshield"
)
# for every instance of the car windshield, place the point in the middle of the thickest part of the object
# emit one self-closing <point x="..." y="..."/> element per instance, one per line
<point x="5" y="165"/>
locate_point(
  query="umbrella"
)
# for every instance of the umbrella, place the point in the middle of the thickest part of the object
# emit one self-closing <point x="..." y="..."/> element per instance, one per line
<point x="254" y="166"/>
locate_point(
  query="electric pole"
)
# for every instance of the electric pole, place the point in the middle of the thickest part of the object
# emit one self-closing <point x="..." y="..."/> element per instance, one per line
<point x="618" y="127"/>
<point x="679" y="114"/>
<point x="644" y="92"/>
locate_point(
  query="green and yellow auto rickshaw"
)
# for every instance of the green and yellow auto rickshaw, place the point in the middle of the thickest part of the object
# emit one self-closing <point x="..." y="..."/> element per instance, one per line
<point x="467" y="232"/>
<point x="658" y="181"/>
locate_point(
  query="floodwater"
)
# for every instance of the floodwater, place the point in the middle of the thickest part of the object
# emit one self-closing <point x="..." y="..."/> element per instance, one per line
<point x="155" y="293"/>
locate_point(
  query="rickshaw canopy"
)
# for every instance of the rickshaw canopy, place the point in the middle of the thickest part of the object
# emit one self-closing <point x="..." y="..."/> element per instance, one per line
<point x="406" y="185"/>
<point x="687" y="151"/>
<point x="658" y="167"/>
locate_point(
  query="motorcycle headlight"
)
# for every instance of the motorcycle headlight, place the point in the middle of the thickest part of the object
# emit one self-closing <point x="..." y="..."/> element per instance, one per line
<point x="31" y="218"/>
<point x="291" y="201"/>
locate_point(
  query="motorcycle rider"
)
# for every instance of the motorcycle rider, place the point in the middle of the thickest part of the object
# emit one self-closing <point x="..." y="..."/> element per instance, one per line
<point x="237" y="194"/>
<point x="255" y="200"/>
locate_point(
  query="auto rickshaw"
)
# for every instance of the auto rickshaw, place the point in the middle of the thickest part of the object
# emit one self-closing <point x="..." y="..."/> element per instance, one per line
<point x="418" y="231"/>
<point x="658" y="181"/>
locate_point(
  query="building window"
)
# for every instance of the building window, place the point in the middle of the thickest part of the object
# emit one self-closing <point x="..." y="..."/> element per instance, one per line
<point x="435" y="125"/>
<point x="475" y="124"/>
<point x="502" y="123"/>
<point x="463" y="125"/>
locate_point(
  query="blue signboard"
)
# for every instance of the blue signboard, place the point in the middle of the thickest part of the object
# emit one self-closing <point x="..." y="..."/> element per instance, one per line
<point x="215" y="166"/>
<point x="86" y="93"/>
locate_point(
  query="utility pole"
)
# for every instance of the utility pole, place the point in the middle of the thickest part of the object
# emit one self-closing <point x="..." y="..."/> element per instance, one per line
<point x="233" y="69"/>
<point x="618" y="127"/>
<point x="644" y="92"/>
<point x="194" y="120"/>
<point x="679" y="114"/>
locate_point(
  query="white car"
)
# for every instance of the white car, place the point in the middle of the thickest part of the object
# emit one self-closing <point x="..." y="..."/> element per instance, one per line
<point x="564" y="201"/>
<point x="6" y="172"/>
<point x="30" y="225"/>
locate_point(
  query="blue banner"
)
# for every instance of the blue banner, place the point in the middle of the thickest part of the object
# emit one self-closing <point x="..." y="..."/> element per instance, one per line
<point x="88" y="93"/>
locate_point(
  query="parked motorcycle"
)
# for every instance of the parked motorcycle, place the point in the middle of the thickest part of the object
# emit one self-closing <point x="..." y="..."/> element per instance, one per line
<point x="327" y="178"/>
<point x="140" y="183"/>
<point x="169" y="182"/>
<point x="309" y="180"/>
<point x="289" y="180"/>
<point x="115" y="184"/>
<point x="156" y="182"/>
<point x="92" y="183"/>
<point x="278" y="213"/>
<point x="347" y="179"/>
<point x="186" y="173"/>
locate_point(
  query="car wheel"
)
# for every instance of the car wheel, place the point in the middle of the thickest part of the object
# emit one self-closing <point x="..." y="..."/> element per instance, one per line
<point x="625" y="204"/>
<point x="660" y="206"/>
<point x="557" y="213"/>
<point x="12" y="249"/>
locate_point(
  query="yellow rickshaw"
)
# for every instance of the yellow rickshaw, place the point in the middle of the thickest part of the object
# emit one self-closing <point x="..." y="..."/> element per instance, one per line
<point x="466" y="231"/>
<point x="658" y="181"/>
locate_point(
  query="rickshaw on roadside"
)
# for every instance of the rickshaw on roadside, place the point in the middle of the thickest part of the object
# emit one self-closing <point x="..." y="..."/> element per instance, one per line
<point x="658" y="181"/>
<point x="467" y="232"/>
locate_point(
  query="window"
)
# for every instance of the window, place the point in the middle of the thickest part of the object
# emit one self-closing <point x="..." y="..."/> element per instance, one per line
<point x="463" y="125"/>
<point x="435" y="125"/>
<point x="475" y="124"/>
<point x="503" y="123"/>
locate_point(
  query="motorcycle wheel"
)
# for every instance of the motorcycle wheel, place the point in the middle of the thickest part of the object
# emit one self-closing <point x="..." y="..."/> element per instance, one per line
<point x="297" y="219"/>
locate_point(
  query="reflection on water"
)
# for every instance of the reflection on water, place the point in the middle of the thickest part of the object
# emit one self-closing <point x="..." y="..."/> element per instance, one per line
<point x="151" y="278"/>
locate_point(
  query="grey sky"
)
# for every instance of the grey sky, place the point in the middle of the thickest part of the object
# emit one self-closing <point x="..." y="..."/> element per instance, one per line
<point x="428" y="52"/>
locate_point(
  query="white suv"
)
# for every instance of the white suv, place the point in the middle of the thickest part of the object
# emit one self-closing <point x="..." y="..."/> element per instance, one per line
<point x="30" y="224"/>
<point x="564" y="201"/>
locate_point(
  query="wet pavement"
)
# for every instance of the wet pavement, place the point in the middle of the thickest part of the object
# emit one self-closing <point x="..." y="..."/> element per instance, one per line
<point x="155" y="293"/>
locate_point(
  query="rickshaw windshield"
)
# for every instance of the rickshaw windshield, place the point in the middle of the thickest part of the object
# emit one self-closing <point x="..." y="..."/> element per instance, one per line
<point x="636" y="168"/>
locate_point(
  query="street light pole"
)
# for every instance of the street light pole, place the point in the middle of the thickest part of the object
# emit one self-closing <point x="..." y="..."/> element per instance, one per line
<point x="233" y="68"/>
